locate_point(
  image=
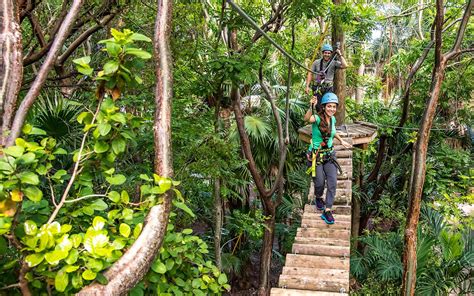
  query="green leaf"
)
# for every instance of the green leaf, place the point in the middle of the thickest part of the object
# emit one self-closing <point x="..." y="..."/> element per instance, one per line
<point x="138" y="53"/>
<point x="113" y="48"/>
<point x="59" y="174"/>
<point x="30" y="227"/>
<point x="111" y="67"/>
<point x="187" y="231"/>
<point x="158" y="267"/>
<point x="27" y="158"/>
<point x="85" y="117"/>
<point x="116" y="180"/>
<point x="60" y="151"/>
<point x="184" y="207"/>
<point x="15" y="151"/>
<point x="101" y="147"/>
<point x="119" y="117"/>
<point x="114" y="196"/>
<point x="89" y="275"/>
<point x="98" y="223"/>
<point x="124" y="197"/>
<point x="222" y="279"/>
<point x="73" y="256"/>
<point x="55" y="256"/>
<point x="104" y="128"/>
<point x="71" y="268"/>
<point x="99" y="205"/>
<point x="34" y="259"/>
<point x="124" y="230"/>
<point x="118" y="145"/>
<point x="101" y="279"/>
<point x="84" y="61"/>
<point x="85" y="70"/>
<point x="127" y="214"/>
<point x="33" y="193"/>
<point x="29" y="178"/>
<point x="61" y="281"/>
<point x="140" y="37"/>
<point x="137" y="230"/>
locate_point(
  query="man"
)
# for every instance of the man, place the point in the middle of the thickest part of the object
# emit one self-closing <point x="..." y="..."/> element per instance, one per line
<point x="325" y="68"/>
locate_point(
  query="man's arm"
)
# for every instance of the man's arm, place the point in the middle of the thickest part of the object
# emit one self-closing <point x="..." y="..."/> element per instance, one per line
<point x="341" y="59"/>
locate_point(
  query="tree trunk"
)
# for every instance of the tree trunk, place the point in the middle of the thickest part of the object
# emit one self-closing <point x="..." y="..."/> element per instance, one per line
<point x="218" y="222"/>
<point x="33" y="92"/>
<point x="267" y="247"/>
<point x="340" y="75"/>
<point x="11" y="65"/>
<point x="421" y="147"/>
<point x="359" y="95"/>
<point x="134" y="264"/>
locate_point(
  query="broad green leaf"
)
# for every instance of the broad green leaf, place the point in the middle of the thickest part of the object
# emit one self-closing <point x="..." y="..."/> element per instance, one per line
<point x="85" y="70"/>
<point x="114" y="196"/>
<point x="111" y="67"/>
<point x="72" y="257"/>
<point x="98" y="223"/>
<point x="138" y="53"/>
<point x="29" y="178"/>
<point x="119" y="117"/>
<point x="140" y="37"/>
<point x="71" y="268"/>
<point x="61" y="281"/>
<point x="89" y="275"/>
<point x="55" y="256"/>
<point x="127" y="214"/>
<point x="6" y="167"/>
<point x="137" y="230"/>
<point x="101" y="279"/>
<point x="34" y="259"/>
<point x="33" y="193"/>
<point x="118" y="145"/>
<point x="76" y="240"/>
<point x="16" y="195"/>
<point x="184" y="207"/>
<point x="85" y="117"/>
<point x="59" y="174"/>
<point x="15" y="151"/>
<point x="76" y="280"/>
<point x="26" y="158"/>
<point x="222" y="279"/>
<point x="104" y="128"/>
<point x="30" y="227"/>
<point x="124" y="197"/>
<point x="113" y="48"/>
<point x="84" y="61"/>
<point x="124" y="230"/>
<point x="101" y="147"/>
<point x="187" y="231"/>
<point x="99" y="205"/>
<point x="158" y="267"/>
<point x="116" y="180"/>
<point x="60" y="151"/>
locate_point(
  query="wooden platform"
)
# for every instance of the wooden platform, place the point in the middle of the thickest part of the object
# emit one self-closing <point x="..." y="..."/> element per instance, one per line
<point x="360" y="132"/>
<point x="320" y="258"/>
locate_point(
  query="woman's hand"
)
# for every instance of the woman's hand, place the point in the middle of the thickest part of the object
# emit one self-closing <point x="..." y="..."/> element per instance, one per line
<point x="313" y="101"/>
<point x="345" y="144"/>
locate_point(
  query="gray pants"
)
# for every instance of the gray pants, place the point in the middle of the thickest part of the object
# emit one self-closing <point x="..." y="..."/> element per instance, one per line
<point x="326" y="172"/>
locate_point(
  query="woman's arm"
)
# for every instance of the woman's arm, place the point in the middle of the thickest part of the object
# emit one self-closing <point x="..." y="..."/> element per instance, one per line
<point x="343" y="143"/>
<point x="307" y="116"/>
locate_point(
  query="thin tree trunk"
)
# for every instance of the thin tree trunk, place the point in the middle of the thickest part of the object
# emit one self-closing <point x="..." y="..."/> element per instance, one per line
<point x="35" y="88"/>
<point x="219" y="214"/>
<point x="340" y="75"/>
<point x="421" y="146"/>
<point x="134" y="264"/>
<point x="359" y="95"/>
<point x="11" y="66"/>
<point x="267" y="247"/>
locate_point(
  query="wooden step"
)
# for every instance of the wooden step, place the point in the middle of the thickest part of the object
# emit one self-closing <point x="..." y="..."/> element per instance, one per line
<point x="346" y="173"/>
<point x="344" y="161"/>
<point x="313" y="283"/>
<point x="324" y="273"/>
<point x="344" y="184"/>
<point x="321" y="250"/>
<point x="343" y="154"/>
<point x="326" y="233"/>
<point x="315" y="223"/>
<point x="321" y="241"/>
<point x="337" y="210"/>
<point x="296" y="292"/>
<point x="317" y="216"/>
<point x="312" y="261"/>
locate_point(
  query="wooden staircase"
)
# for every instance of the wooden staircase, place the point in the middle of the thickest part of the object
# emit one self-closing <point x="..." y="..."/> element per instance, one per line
<point x="319" y="262"/>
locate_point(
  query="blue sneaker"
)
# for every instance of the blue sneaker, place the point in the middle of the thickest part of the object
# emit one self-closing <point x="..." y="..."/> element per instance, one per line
<point x="327" y="217"/>
<point x="320" y="205"/>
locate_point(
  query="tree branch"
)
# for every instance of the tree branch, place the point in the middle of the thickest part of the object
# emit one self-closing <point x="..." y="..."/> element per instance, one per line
<point x="35" y="89"/>
<point x="37" y="29"/>
<point x="455" y="51"/>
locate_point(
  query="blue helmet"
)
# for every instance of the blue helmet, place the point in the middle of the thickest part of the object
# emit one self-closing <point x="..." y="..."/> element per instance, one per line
<point x="329" y="98"/>
<point x="326" y="47"/>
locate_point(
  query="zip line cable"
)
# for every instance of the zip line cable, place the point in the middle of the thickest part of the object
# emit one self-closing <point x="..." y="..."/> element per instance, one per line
<point x="256" y="27"/>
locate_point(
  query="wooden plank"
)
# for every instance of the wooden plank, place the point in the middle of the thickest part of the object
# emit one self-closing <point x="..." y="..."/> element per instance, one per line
<point x="317" y="240"/>
<point x="321" y="250"/>
<point x="314" y="223"/>
<point x="338" y="216"/>
<point x="326" y="233"/>
<point x="343" y="274"/>
<point x="311" y="261"/>
<point x="313" y="283"/>
<point x="344" y="154"/>
<point x="296" y="292"/>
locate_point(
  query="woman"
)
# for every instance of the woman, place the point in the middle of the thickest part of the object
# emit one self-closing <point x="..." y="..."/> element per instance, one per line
<point x="323" y="156"/>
